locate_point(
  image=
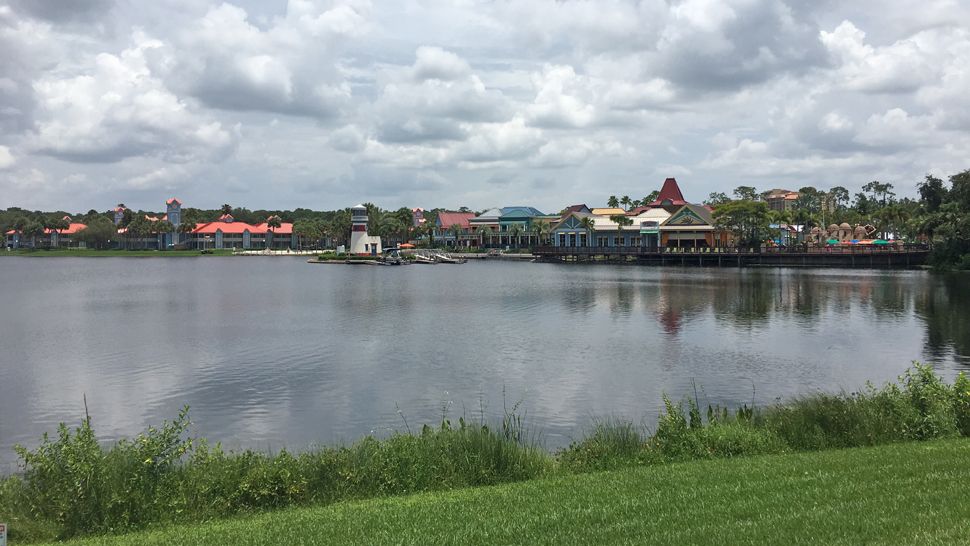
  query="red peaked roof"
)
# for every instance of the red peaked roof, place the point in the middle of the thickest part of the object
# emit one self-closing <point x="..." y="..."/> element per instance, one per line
<point x="173" y="200"/>
<point x="448" y="219"/>
<point x="670" y="191"/>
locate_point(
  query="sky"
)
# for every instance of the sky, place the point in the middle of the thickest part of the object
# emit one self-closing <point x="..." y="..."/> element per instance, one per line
<point x="323" y="104"/>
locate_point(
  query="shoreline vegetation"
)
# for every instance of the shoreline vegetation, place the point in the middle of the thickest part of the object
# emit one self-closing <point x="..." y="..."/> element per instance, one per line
<point x="71" y="486"/>
<point x="906" y="493"/>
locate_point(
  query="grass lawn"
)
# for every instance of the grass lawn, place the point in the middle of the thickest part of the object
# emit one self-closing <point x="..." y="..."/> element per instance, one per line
<point x="90" y="253"/>
<point x="912" y="493"/>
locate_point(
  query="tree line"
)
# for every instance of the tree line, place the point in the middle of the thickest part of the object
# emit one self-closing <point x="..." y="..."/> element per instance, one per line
<point x="939" y="215"/>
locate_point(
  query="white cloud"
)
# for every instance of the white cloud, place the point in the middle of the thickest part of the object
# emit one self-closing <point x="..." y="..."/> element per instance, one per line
<point x="903" y="66"/>
<point x="118" y="109"/>
<point x="7" y="159"/>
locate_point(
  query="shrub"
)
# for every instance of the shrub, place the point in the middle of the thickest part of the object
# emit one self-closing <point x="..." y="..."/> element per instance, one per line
<point x="610" y="444"/>
<point x="961" y="403"/>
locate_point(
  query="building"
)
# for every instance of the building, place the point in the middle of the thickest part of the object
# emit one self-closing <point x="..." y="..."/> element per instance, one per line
<point x="585" y="229"/>
<point x="781" y="200"/>
<point x="486" y="226"/>
<point x="226" y="232"/>
<point x="417" y="217"/>
<point x="692" y="226"/>
<point x="361" y="243"/>
<point x="516" y="225"/>
<point x="670" y="198"/>
<point x="446" y="225"/>
<point x="48" y="238"/>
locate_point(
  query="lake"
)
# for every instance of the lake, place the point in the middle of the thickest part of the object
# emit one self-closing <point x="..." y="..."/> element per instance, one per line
<point x="275" y="352"/>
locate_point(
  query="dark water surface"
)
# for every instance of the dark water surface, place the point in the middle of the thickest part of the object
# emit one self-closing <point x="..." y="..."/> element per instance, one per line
<point x="274" y="352"/>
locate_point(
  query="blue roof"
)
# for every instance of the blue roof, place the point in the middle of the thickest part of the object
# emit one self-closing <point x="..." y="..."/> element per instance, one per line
<point x="521" y="211"/>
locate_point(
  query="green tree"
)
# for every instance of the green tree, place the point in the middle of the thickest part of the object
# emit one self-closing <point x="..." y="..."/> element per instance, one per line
<point x="747" y="220"/>
<point x="716" y="198"/>
<point x="932" y="193"/>
<point x="621" y="221"/>
<point x="541" y="230"/>
<point x="746" y="193"/>
<point x="99" y="233"/>
<point x="840" y="197"/>
<point x="651" y="197"/>
<point x="613" y="202"/>
<point x="625" y="201"/>
<point x="226" y="209"/>
<point x="273" y="223"/>
<point x="879" y="192"/>
<point x="589" y="225"/>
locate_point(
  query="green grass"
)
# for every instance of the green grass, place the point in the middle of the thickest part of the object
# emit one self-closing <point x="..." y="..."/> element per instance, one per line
<point x="908" y="493"/>
<point x="91" y="253"/>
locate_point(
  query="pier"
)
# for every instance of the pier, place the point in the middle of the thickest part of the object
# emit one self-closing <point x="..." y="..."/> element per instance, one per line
<point x="895" y="257"/>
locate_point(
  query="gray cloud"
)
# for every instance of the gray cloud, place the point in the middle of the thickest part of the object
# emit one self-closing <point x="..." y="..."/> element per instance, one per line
<point x="324" y="103"/>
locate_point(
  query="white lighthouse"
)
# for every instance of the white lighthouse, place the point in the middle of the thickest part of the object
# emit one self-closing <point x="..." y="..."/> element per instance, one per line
<point x="360" y="242"/>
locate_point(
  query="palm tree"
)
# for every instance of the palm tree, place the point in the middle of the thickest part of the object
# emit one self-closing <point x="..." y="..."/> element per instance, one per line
<point x="515" y="230"/>
<point x="612" y="202"/>
<point x="226" y="209"/>
<point x="273" y="222"/>
<point x="455" y="231"/>
<point x="541" y="229"/>
<point x="589" y="225"/>
<point x="482" y="232"/>
<point x="625" y="201"/>
<point x="621" y="220"/>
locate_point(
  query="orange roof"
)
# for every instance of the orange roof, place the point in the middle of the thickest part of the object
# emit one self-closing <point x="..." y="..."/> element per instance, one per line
<point x="210" y="228"/>
<point x="173" y="200"/>
<point x="71" y="229"/>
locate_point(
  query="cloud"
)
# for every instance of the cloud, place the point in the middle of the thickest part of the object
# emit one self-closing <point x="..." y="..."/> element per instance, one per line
<point x="118" y="109"/>
<point x="7" y="159"/>
<point x="434" y="63"/>
<point x="901" y="67"/>
<point x="227" y="62"/>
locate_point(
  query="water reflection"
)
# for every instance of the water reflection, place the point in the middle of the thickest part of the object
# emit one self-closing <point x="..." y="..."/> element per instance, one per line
<point x="273" y="352"/>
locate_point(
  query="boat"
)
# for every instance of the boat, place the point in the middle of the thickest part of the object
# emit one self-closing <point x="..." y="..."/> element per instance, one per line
<point x="424" y="259"/>
<point x="445" y="259"/>
<point x="392" y="256"/>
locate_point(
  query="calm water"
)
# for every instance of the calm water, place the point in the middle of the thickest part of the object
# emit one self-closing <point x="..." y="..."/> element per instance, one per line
<point x="273" y="352"/>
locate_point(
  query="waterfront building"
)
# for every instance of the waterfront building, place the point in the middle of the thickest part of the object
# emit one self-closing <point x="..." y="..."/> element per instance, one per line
<point x="585" y="229"/>
<point x="516" y="225"/>
<point x="485" y="226"/>
<point x="692" y="226"/>
<point x="448" y="222"/>
<point x="49" y="238"/>
<point x="360" y="242"/>
<point x="226" y="232"/>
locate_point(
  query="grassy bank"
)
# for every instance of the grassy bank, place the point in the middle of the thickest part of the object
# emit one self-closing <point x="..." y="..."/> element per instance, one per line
<point x="73" y="486"/>
<point x="913" y="493"/>
<point x="113" y="253"/>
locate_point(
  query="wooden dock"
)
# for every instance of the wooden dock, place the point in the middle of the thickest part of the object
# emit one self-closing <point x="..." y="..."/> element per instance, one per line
<point x="911" y="256"/>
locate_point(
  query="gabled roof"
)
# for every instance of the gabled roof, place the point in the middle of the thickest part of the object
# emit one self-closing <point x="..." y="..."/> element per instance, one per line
<point x="172" y="201"/>
<point x="576" y="208"/>
<point x="669" y="194"/>
<point x="447" y="219"/>
<point x="490" y="215"/>
<point x="519" y="212"/>
<point x="689" y="216"/>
